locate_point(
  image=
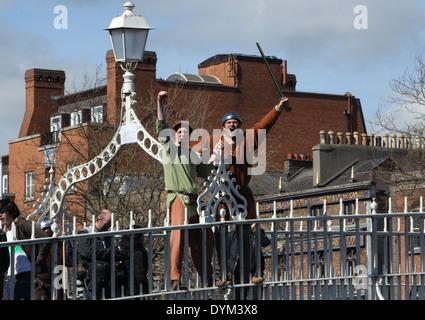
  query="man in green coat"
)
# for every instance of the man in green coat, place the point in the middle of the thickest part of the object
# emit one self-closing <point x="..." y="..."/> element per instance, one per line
<point x="181" y="167"/>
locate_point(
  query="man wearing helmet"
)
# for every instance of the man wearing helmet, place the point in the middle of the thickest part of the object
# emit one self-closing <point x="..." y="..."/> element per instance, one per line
<point x="237" y="152"/>
<point x="240" y="149"/>
<point x="45" y="223"/>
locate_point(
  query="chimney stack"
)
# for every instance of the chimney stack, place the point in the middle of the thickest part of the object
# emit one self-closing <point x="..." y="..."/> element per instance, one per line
<point x="40" y="86"/>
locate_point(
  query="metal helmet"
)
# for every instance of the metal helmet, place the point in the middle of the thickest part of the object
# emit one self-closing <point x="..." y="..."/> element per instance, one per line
<point x="45" y="222"/>
<point x="231" y="115"/>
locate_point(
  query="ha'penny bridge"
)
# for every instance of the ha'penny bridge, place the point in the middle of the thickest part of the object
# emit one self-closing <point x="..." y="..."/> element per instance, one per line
<point x="364" y="256"/>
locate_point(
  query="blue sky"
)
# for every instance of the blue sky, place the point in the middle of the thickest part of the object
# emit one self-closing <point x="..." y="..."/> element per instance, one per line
<point x="319" y="40"/>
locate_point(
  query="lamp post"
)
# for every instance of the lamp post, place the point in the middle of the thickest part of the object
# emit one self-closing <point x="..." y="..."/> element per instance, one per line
<point x="128" y="33"/>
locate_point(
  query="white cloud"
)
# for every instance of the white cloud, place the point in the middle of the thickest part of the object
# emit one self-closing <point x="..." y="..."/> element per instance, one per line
<point x="401" y="120"/>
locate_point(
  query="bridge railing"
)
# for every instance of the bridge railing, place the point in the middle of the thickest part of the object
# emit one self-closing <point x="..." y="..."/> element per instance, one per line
<point x="361" y="256"/>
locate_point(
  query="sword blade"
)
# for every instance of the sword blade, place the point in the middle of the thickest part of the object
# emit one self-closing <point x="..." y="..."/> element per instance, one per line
<point x="271" y="73"/>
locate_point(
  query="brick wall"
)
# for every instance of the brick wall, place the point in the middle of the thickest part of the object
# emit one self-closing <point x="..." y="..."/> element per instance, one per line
<point x="25" y="157"/>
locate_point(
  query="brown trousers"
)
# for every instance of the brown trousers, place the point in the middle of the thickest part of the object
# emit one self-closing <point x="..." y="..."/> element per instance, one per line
<point x="195" y="243"/>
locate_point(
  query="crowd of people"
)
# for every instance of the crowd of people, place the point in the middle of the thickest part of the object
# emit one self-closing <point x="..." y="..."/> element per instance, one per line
<point x="182" y="165"/>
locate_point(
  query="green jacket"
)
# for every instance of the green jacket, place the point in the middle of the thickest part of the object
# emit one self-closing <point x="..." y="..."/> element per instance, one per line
<point x="180" y="169"/>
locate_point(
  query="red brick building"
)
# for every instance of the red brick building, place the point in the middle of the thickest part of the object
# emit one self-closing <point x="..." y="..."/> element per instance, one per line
<point x="231" y="82"/>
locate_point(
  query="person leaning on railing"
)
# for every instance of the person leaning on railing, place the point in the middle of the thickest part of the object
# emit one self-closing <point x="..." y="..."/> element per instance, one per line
<point x="103" y="247"/>
<point x="10" y="216"/>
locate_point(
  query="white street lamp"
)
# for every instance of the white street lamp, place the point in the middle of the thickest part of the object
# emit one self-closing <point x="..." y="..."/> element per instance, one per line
<point x="128" y="36"/>
<point x="129" y="33"/>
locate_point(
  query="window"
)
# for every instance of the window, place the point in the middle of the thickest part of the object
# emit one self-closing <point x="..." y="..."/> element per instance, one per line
<point x="5" y="184"/>
<point x="76" y="117"/>
<point x="415" y="240"/>
<point x="317" y="211"/>
<point x="349" y="209"/>
<point x="351" y="261"/>
<point x="318" y="265"/>
<point x="29" y="185"/>
<point x="97" y="114"/>
<point x="55" y="127"/>
<point x="55" y="123"/>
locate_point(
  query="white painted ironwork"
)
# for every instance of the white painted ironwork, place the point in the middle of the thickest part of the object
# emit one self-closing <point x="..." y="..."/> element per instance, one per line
<point x="356" y="260"/>
<point x="44" y="199"/>
<point x="221" y="194"/>
<point x="52" y="198"/>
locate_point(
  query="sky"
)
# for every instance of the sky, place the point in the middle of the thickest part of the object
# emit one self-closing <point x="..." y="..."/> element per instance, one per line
<point x="332" y="46"/>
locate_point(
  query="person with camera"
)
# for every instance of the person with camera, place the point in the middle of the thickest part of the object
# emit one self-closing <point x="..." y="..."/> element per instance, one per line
<point x="104" y="247"/>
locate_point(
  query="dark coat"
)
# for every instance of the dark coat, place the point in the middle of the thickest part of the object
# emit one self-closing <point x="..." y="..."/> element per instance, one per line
<point x="23" y="232"/>
<point x="140" y="272"/>
<point x="140" y="264"/>
<point x="104" y="249"/>
<point x="255" y="251"/>
<point x="4" y="255"/>
<point x="233" y="250"/>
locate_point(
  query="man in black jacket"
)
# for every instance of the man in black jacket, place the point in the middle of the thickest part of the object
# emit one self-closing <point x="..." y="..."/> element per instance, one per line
<point x="4" y="261"/>
<point x="102" y="261"/>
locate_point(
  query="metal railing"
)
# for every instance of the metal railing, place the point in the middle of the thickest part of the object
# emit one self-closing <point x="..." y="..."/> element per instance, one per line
<point x="49" y="138"/>
<point x="361" y="256"/>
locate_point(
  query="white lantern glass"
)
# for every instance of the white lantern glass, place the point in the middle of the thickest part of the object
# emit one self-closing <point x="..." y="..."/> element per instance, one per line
<point x="135" y="41"/>
<point x="129" y="33"/>
<point x="128" y="44"/>
<point x="117" y="40"/>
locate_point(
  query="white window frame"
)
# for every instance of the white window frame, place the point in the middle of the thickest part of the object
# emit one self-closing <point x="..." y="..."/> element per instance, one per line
<point x="5" y="184"/>
<point x="56" y="126"/>
<point x="76" y="118"/>
<point x="55" y="123"/>
<point x="97" y="114"/>
<point x="29" y="185"/>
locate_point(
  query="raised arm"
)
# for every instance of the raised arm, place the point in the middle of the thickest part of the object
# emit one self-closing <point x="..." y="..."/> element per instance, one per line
<point x="162" y="97"/>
